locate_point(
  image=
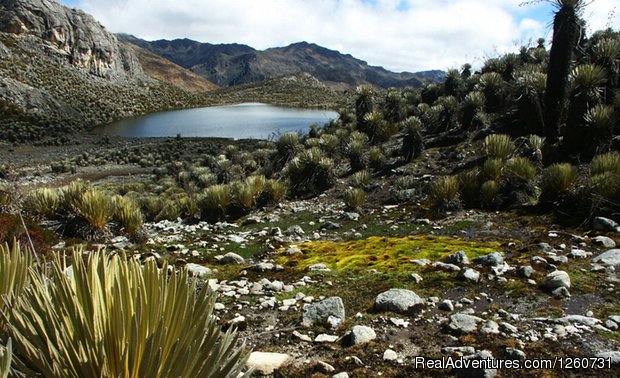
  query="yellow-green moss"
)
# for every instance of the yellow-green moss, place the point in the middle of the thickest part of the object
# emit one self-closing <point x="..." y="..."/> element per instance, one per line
<point x="383" y="253"/>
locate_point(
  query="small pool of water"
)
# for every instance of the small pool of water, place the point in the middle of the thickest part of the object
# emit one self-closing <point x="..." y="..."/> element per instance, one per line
<point x="242" y="121"/>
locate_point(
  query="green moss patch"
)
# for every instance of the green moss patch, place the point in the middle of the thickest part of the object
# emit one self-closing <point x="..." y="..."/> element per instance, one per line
<point x="383" y="253"/>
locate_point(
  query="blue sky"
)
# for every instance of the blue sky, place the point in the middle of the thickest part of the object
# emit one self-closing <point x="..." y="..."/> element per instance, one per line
<point x="401" y="35"/>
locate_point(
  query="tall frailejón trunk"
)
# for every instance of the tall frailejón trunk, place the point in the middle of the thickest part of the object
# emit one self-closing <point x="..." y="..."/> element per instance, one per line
<point x="566" y="29"/>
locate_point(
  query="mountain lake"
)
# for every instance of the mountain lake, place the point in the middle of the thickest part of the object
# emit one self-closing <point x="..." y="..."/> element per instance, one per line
<point x="241" y="121"/>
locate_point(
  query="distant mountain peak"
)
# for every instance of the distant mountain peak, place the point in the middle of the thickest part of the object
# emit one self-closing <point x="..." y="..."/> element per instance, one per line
<point x="233" y="64"/>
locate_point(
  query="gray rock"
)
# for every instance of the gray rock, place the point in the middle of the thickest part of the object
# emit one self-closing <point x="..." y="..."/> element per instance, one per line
<point x="578" y="319"/>
<point x="421" y="262"/>
<point x="398" y="300"/>
<point x="604" y="241"/>
<point x="352" y="216"/>
<point x="578" y="254"/>
<point x="490" y="327"/>
<point x="329" y="225"/>
<point x="344" y="374"/>
<point x="264" y="266"/>
<point x="558" y="260"/>
<point x="609" y="258"/>
<point x="390" y="355"/>
<point x="266" y="363"/>
<point x="560" y="292"/>
<point x="294" y="231"/>
<point x="477" y="373"/>
<point x="557" y="279"/>
<point x="492" y="259"/>
<point x="461" y="350"/>
<point x="318" y="267"/>
<point x="508" y="328"/>
<point x="446" y="305"/>
<point x="613" y="356"/>
<point x="515" y="354"/>
<point x="321" y="311"/>
<point x="198" y="270"/>
<point x="463" y="323"/>
<point x="325" y="338"/>
<point x="232" y="258"/>
<point x="471" y="275"/>
<point x="416" y="277"/>
<point x="526" y="271"/>
<point x="292" y="250"/>
<point x="605" y="225"/>
<point x="324" y="367"/>
<point x="360" y="335"/>
<point x="458" y="258"/>
<point x="611" y="325"/>
<point x="446" y="267"/>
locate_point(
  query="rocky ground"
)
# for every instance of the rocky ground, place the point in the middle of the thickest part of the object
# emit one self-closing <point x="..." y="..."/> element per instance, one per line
<point x="317" y="290"/>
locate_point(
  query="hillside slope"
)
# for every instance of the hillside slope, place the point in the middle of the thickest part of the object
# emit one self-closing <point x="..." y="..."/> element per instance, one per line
<point x="233" y="64"/>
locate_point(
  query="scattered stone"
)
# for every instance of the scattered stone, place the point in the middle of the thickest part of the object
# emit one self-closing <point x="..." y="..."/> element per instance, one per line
<point x="266" y="363"/>
<point x="578" y="254"/>
<point x="561" y="292"/>
<point x="472" y="372"/>
<point x="352" y="216"/>
<point x="344" y="374"/>
<point x="236" y="239"/>
<point x="318" y="267"/>
<point x="557" y="279"/>
<point x="446" y="267"/>
<point x="294" y="231"/>
<point x="558" y="260"/>
<point x="515" y="354"/>
<point x="459" y="351"/>
<point x="526" y="271"/>
<point x="198" y="270"/>
<point x="399" y="322"/>
<point x="324" y="367"/>
<point x="463" y="323"/>
<point x="329" y="225"/>
<point x="508" y="328"/>
<point x="360" y="335"/>
<point x="301" y="336"/>
<point x="390" y="355"/>
<point x="325" y="338"/>
<point x="446" y="305"/>
<point x="605" y="225"/>
<point x="609" y="258"/>
<point x="492" y="259"/>
<point x="292" y="250"/>
<point x="231" y="258"/>
<point x="398" y="300"/>
<point x="264" y="266"/>
<point x="490" y="327"/>
<point x="322" y="310"/>
<point x="416" y="278"/>
<point x="604" y="241"/>
<point x="457" y="258"/>
<point x="613" y="356"/>
<point x="334" y="321"/>
<point x="420" y="262"/>
<point x="470" y="274"/>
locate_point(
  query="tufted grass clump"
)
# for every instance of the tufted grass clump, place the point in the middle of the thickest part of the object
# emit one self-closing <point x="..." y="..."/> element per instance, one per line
<point x="310" y="172"/>
<point x="558" y="179"/>
<point x="90" y="317"/>
<point x="14" y="275"/>
<point x="489" y="192"/>
<point x="288" y="146"/>
<point x="360" y="179"/>
<point x="413" y="143"/>
<point x="492" y="169"/>
<point x="275" y="191"/>
<point x="605" y="185"/>
<point x="96" y="209"/>
<point x="469" y="183"/>
<point x="127" y="215"/>
<point x="608" y="162"/>
<point x="214" y="201"/>
<point x="43" y="202"/>
<point x="444" y="193"/>
<point x="357" y="152"/>
<point x="354" y="198"/>
<point x="498" y="146"/>
<point x="520" y="169"/>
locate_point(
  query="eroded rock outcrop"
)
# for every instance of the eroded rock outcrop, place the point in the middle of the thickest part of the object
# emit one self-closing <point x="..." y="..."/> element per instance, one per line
<point x="71" y="35"/>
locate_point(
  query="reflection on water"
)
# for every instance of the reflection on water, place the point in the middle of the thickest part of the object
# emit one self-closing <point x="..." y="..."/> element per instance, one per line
<point x="251" y="120"/>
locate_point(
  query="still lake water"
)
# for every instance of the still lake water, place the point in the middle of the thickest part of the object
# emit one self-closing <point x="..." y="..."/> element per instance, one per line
<point x="249" y="120"/>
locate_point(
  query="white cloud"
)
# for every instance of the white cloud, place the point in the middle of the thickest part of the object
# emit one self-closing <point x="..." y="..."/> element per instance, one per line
<point x="400" y="35"/>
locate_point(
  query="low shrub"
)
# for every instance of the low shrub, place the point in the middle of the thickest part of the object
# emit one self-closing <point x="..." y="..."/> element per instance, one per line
<point x="489" y="194"/>
<point x="360" y="179"/>
<point x="444" y="193"/>
<point x="275" y="191"/>
<point x="310" y="172"/>
<point x="127" y="215"/>
<point x="96" y="210"/>
<point x="469" y="183"/>
<point x="608" y="162"/>
<point x="43" y="203"/>
<point x="492" y="169"/>
<point x="520" y="169"/>
<point x="498" y="146"/>
<point x="558" y="179"/>
<point x="214" y="201"/>
<point x="413" y="144"/>
<point x="354" y="198"/>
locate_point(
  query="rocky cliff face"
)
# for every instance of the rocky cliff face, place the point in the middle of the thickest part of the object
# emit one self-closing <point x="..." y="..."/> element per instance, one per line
<point x="71" y="35"/>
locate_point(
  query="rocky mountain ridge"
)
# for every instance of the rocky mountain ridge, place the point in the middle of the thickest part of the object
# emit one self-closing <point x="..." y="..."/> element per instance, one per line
<point x="233" y="64"/>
